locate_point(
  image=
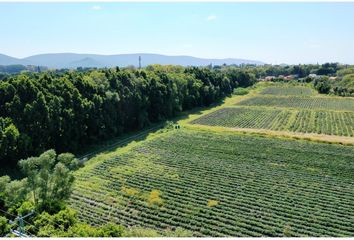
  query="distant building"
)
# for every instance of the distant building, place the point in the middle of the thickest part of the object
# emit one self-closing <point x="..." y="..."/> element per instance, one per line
<point x="312" y="75"/>
<point x="289" y="77"/>
<point x="269" y="78"/>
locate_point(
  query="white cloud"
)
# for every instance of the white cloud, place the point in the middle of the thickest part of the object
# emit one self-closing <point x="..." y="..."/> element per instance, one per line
<point x="96" y="7"/>
<point x="211" y="18"/>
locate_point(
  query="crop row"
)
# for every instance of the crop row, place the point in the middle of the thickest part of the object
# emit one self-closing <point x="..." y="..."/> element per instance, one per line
<point x="321" y="122"/>
<point x="262" y="187"/>
<point x="312" y="103"/>
<point x="288" y="90"/>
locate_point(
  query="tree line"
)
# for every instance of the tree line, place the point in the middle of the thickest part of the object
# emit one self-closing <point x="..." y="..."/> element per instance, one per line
<point x="67" y="110"/>
<point x="301" y="70"/>
<point x="343" y="85"/>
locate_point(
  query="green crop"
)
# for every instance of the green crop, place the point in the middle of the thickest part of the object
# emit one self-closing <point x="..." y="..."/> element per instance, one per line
<point x="288" y="90"/>
<point x="262" y="186"/>
<point x="310" y="103"/>
<point x="304" y="121"/>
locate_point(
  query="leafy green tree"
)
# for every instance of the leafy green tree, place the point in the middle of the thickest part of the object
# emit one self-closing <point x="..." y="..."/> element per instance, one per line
<point x="4" y="226"/>
<point x="49" y="178"/>
<point x="322" y="85"/>
<point x="112" y="230"/>
<point x="12" y="193"/>
<point x="82" y="230"/>
<point x="4" y="181"/>
<point x="55" y="225"/>
<point x="9" y="140"/>
<point x="65" y="224"/>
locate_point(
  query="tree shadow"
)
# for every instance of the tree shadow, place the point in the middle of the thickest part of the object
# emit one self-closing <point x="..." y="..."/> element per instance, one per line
<point x="138" y="135"/>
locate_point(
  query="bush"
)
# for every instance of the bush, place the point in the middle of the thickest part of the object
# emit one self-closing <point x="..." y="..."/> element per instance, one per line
<point x="141" y="232"/>
<point x="25" y="208"/>
<point x="241" y="91"/>
<point x="4" y="226"/>
<point x="82" y="230"/>
<point x="112" y="230"/>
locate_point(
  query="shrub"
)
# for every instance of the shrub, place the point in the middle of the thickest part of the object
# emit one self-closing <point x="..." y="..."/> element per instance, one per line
<point x="4" y="226"/>
<point x="241" y="91"/>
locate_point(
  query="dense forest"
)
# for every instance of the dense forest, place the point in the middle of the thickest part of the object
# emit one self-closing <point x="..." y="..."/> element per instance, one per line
<point x="67" y="110"/>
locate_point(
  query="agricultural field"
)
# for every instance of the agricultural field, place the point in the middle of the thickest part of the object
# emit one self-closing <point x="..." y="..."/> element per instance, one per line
<point x="221" y="184"/>
<point x="304" y="121"/>
<point x="311" y="103"/>
<point x="288" y="90"/>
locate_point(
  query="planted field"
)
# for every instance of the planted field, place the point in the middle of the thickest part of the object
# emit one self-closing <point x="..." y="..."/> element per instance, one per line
<point x="222" y="185"/>
<point x="246" y="118"/>
<point x="288" y="90"/>
<point x="321" y="122"/>
<point x="345" y="104"/>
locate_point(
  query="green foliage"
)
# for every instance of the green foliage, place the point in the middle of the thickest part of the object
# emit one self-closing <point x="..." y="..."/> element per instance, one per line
<point x="328" y="68"/>
<point x="345" y="86"/>
<point x="82" y="230"/>
<point x="322" y="85"/>
<point x="261" y="185"/>
<point x="345" y="71"/>
<point x="4" y="226"/>
<point x="4" y="181"/>
<point x="9" y="139"/>
<point x="56" y="224"/>
<point x="241" y="91"/>
<point x="300" y="70"/>
<point x="17" y="68"/>
<point x="49" y="179"/>
<point x="65" y="224"/>
<point x="112" y="230"/>
<point x="141" y="232"/>
<point x="25" y="208"/>
<point x="14" y="193"/>
<point x="67" y="110"/>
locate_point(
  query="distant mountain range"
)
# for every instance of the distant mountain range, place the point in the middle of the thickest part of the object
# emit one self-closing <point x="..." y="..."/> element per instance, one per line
<point x="74" y="60"/>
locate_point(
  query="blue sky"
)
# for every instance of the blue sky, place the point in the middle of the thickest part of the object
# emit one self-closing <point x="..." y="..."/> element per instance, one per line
<point x="270" y="32"/>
